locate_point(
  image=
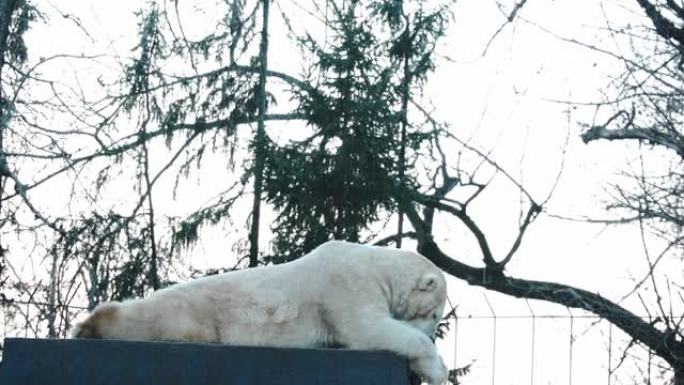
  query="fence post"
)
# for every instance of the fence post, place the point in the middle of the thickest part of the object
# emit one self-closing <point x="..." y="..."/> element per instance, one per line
<point x="455" y="339"/>
<point x="572" y="344"/>
<point x="650" y="355"/>
<point x="491" y="309"/>
<point x="534" y="334"/>
<point x="610" y="351"/>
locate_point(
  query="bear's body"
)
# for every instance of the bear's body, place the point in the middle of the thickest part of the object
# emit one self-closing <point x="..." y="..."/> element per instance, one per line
<point x="340" y="294"/>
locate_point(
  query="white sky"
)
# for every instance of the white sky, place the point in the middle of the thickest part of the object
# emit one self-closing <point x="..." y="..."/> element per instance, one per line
<point x="505" y="101"/>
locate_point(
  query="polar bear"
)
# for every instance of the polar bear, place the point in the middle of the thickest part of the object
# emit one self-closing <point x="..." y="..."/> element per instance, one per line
<point x="340" y="294"/>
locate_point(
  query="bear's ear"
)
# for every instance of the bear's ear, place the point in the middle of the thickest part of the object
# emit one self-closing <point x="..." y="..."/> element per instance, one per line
<point x="428" y="282"/>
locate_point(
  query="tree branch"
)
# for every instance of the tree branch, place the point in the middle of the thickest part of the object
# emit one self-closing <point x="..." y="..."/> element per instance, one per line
<point x="114" y="149"/>
<point x="509" y="19"/>
<point x="481" y="154"/>
<point x="557" y="293"/>
<point x="434" y="203"/>
<point x="395" y="238"/>
<point x="663" y="26"/>
<point x="650" y="135"/>
<point x="532" y="213"/>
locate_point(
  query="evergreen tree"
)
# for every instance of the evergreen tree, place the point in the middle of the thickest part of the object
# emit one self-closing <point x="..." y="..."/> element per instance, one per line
<point x="337" y="182"/>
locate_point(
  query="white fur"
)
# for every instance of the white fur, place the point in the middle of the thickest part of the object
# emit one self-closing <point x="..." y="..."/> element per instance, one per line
<point x="360" y="297"/>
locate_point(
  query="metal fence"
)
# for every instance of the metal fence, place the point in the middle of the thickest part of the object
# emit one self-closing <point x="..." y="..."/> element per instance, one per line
<point x="496" y="347"/>
<point x="533" y="347"/>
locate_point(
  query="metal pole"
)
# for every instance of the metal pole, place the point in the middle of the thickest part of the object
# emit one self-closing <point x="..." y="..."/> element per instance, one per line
<point x="610" y="351"/>
<point x="491" y="309"/>
<point x="572" y="343"/>
<point x="534" y="333"/>
<point x="455" y="340"/>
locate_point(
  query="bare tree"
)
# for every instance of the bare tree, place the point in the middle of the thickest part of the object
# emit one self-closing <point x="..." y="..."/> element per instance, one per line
<point x="647" y="108"/>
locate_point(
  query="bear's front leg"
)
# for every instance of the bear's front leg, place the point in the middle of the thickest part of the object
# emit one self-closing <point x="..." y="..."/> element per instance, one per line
<point x="386" y="333"/>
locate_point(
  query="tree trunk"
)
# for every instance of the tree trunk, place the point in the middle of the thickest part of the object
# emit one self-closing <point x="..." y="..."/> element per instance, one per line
<point x="52" y="297"/>
<point x="406" y="83"/>
<point x="154" y="257"/>
<point x="153" y="275"/>
<point x="260" y="141"/>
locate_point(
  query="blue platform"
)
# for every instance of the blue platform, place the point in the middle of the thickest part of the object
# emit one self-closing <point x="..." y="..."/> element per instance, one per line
<point x="108" y="362"/>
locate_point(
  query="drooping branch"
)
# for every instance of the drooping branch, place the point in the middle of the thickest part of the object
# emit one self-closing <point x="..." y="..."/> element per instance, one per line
<point x="229" y="123"/>
<point x="662" y="343"/>
<point x="20" y="190"/>
<point x="123" y="146"/>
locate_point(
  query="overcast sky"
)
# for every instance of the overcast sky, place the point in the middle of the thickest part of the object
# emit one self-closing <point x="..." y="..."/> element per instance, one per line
<point x="510" y="101"/>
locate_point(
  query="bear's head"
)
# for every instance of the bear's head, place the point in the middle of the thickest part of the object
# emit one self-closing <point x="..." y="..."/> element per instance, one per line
<point x="424" y="304"/>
